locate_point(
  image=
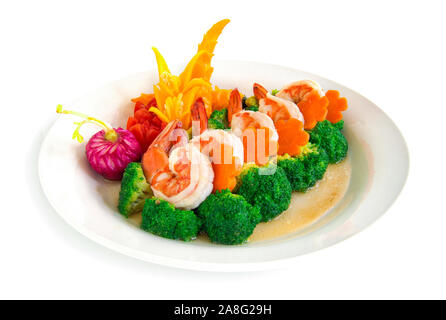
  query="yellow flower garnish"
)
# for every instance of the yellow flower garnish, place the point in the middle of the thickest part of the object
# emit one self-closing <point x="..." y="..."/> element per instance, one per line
<point x="175" y="95"/>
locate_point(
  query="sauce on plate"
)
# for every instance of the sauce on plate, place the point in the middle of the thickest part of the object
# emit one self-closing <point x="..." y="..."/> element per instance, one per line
<point x="307" y="208"/>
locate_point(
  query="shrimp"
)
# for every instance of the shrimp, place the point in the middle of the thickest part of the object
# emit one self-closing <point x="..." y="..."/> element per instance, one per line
<point x="211" y="141"/>
<point x="255" y="129"/>
<point x="276" y="108"/>
<point x="252" y="120"/>
<point x="288" y="121"/>
<point x="300" y="90"/>
<point x="184" y="177"/>
<point x="223" y="148"/>
<point x="310" y="98"/>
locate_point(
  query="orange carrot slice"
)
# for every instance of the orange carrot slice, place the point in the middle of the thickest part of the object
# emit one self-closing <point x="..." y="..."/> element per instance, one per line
<point x="225" y="172"/>
<point x="225" y="175"/>
<point x="314" y="109"/>
<point x="335" y="106"/>
<point x="291" y="136"/>
<point x="257" y="145"/>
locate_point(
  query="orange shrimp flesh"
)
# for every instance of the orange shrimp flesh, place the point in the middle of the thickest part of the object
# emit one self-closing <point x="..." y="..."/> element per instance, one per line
<point x="155" y="162"/>
<point x="276" y="108"/>
<point x="156" y="157"/>
<point x="299" y="90"/>
<point x="177" y="171"/>
<point x="170" y="183"/>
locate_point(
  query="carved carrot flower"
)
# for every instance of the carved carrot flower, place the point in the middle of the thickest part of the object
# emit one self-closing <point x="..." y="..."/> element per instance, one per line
<point x="292" y="136"/>
<point x="335" y="106"/>
<point x="314" y="109"/>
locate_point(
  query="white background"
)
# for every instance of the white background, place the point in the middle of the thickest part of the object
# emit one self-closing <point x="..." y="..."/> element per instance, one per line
<point x="392" y="52"/>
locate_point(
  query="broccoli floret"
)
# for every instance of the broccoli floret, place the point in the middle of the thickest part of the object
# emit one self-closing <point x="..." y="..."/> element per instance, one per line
<point x="252" y="108"/>
<point x="218" y="119"/>
<point x="228" y="218"/>
<point x="274" y="92"/>
<point x="329" y="137"/>
<point x="251" y="104"/>
<point x="306" y="169"/>
<point x="339" y="125"/>
<point x="265" y="188"/>
<point x="134" y="190"/>
<point x="161" y="218"/>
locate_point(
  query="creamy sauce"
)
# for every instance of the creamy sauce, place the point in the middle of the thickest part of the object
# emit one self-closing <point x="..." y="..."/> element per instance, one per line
<point x="305" y="208"/>
<point x="135" y="219"/>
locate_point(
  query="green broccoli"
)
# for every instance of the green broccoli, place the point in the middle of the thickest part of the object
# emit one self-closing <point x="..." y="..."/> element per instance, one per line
<point x="251" y="103"/>
<point x="228" y="218"/>
<point x="218" y="119"/>
<point x="329" y="137"/>
<point x="134" y="190"/>
<point x="161" y="218"/>
<point x="274" y="92"/>
<point x="306" y="169"/>
<point x="265" y="188"/>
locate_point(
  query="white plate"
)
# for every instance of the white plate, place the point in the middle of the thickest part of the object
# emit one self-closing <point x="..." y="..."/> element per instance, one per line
<point x="377" y="152"/>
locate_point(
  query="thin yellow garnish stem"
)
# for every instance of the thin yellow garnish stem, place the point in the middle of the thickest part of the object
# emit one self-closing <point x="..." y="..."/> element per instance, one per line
<point x="110" y="133"/>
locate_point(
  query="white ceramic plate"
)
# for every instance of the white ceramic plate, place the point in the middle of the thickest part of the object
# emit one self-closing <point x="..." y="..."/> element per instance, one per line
<point x="377" y="152"/>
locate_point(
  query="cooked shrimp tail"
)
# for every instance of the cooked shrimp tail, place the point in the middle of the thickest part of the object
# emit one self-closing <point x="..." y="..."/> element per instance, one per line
<point x="199" y="117"/>
<point x="171" y="135"/>
<point x="163" y="140"/>
<point x="259" y="91"/>
<point x="235" y="104"/>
